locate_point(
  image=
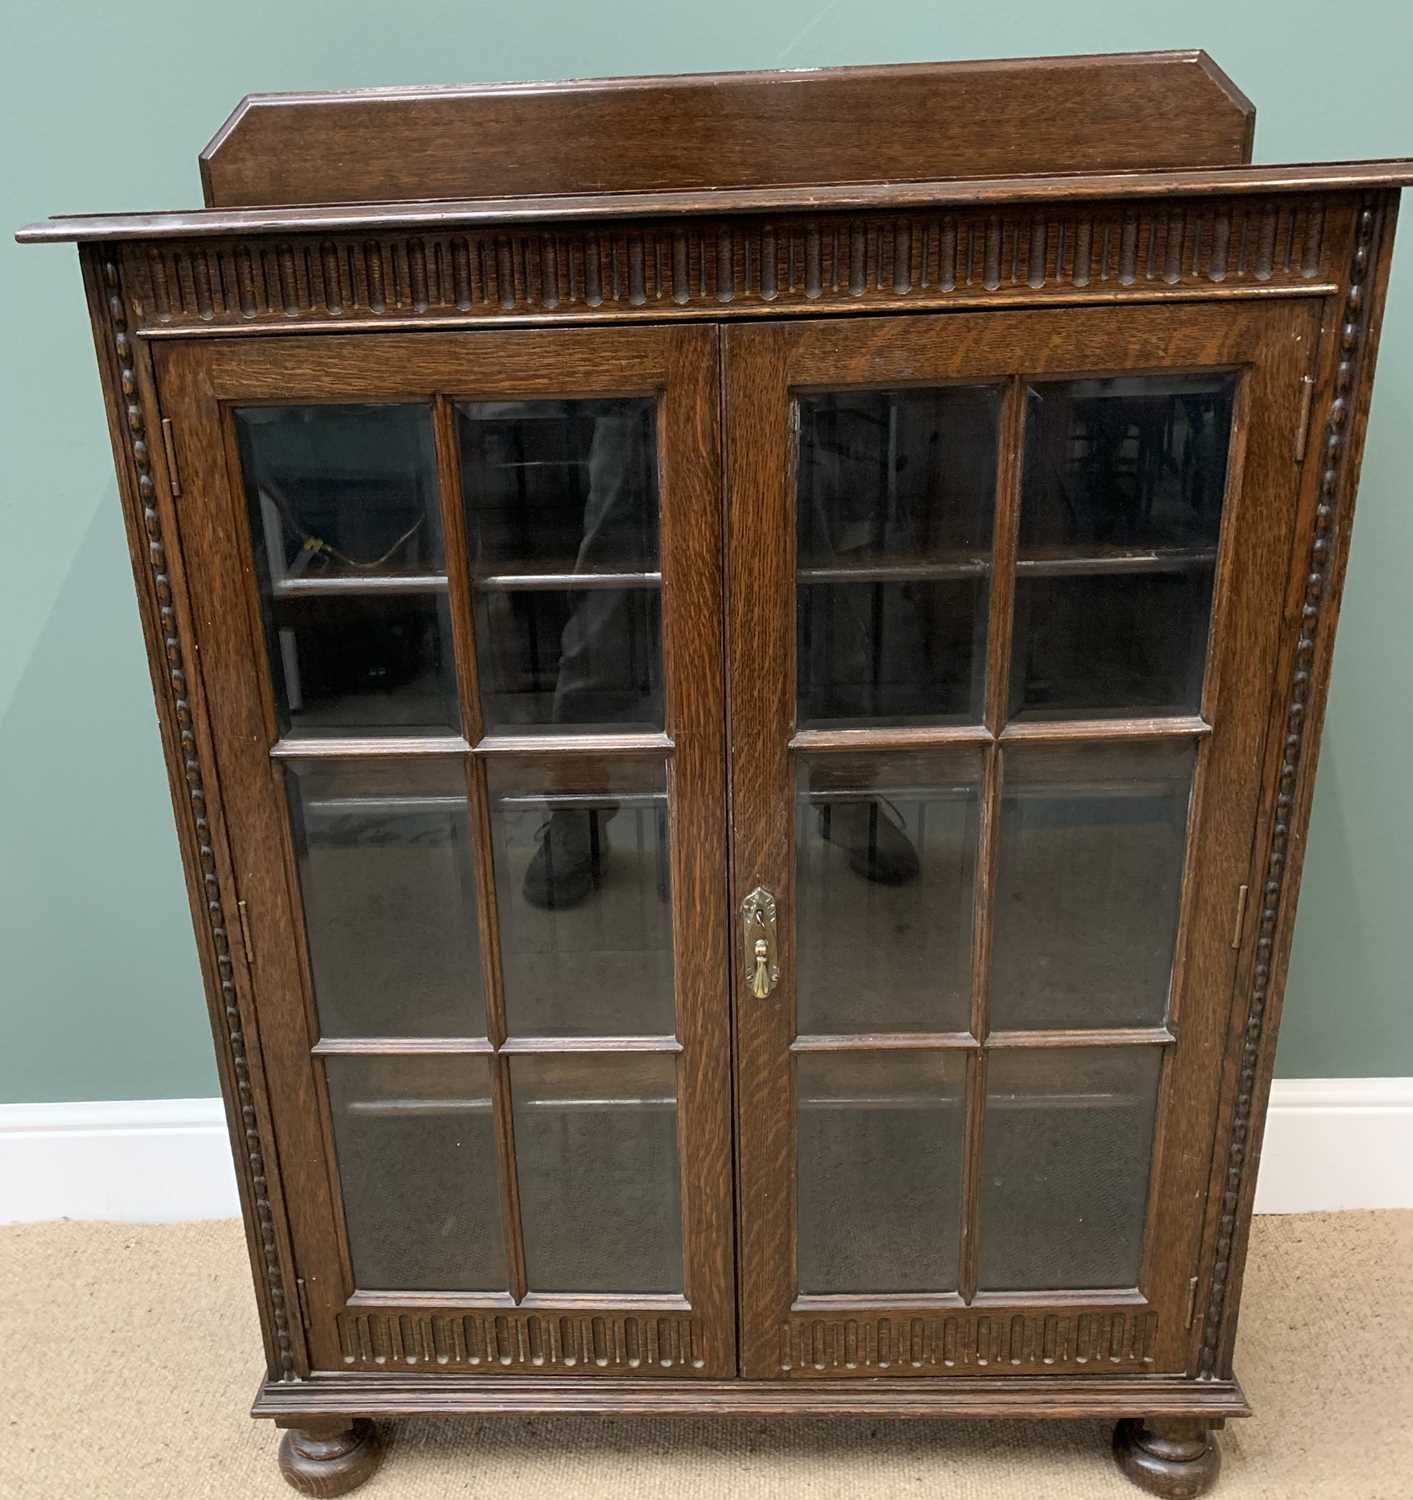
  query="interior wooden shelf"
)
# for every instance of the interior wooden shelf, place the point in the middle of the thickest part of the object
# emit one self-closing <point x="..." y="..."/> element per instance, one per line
<point x="1051" y="563"/>
<point x="354" y="586"/>
<point x="563" y="579"/>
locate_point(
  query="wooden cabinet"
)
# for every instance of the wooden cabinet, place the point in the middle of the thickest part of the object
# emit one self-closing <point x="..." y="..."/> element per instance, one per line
<point x="743" y="853"/>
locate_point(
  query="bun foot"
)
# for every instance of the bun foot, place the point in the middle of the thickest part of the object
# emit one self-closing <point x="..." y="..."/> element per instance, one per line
<point x="330" y="1458"/>
<point x="1174" y="1458"/>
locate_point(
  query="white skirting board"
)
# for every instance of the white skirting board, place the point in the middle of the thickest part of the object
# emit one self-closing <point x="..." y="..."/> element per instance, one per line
<point x="1330" y="1143"/>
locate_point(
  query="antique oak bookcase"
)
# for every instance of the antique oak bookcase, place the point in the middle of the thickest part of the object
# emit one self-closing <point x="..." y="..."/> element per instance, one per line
<point x="740" y="659"/>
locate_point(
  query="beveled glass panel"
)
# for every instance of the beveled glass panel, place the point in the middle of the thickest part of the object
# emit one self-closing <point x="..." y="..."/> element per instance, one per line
<point x="1120" y="520"/>
<point x="1066" y="1149"/>
<point x="879" y="1141"/>
<point x="348" y="554"/>
<point x="387" y="876"/>
<point x="1089" y="879"/>
<point x="562" y="507"/>
<point x="885" y="857"/>
<point x="560" y="659"/>
<point x="596" y="1147"/>
<point x="415" y="1140"/>
<point x="890" y="653"/>
<point x="583" y="894"/>
<point x="895" y="507"/>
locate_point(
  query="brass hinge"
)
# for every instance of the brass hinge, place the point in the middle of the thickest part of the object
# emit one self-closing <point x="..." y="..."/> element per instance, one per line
<point x="303" y="1294"/>
<point x="1302" y="430"/>
<point x="245" y="932"/>
<point x="169" y="444"/>
<point x="1239" y="926"/>
<point x="1191" y="1301"/>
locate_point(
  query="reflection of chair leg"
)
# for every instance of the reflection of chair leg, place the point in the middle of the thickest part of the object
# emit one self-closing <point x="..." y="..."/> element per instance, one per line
<point x="878" y="847"/>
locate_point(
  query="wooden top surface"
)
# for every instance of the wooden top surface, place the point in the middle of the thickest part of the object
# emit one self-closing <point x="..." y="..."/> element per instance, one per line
<point x="705" y="132"/>
<point x="376" y="217"/>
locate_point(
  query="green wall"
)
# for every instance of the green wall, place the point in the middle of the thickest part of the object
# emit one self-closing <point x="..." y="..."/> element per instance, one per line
<point x="107" y="107"/>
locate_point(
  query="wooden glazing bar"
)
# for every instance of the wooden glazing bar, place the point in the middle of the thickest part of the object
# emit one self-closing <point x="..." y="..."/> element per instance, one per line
<point x="887" y="1041"/>
<point x="1001" y="600"/>
<point x="367" y="747"/>
<point x="543" y="1045"/>
<point x="903" y="737"/>
<point x="572" y="744"/>
<point x="493" y="985"/>
<point x="1114" y="1036"/>
<point x="1061" y="731"/>
<point x="399" y="1046"/>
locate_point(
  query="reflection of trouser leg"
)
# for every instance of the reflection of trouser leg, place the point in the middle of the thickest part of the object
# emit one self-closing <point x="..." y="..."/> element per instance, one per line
<point x="877" y="845"/>
<point x="597" y="678"/>
<point x="567" y="864"/>
<point x="598" y="674"/>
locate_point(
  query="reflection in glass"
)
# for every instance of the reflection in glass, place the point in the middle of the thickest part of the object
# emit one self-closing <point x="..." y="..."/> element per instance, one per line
<point x="890" y="652"/>
<point x="885" y="853"/>
<point x="415" y="1141"/>
<point x="570" y="659"/>
<point x="341" y="492"/>
<point x="581" y="870"/>
<point x="1090" y="872"/>
<point x="596" y="1146"/>
<point x="347" y="547"/>
<point x="1066" y="1148"/>
<point x="1120" y="520"/>
<point x="895" y="507"/>
<point x="879" y="1139"/>
<point x="387" y="876"/>
<point x="562" y="533"/>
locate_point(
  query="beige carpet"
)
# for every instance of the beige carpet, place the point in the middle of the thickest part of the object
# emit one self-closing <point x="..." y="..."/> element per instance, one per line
<point x="128" y="1357"/>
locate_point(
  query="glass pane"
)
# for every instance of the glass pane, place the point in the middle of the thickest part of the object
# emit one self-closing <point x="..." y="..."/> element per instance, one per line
<point x="1088" y="885"/>
<point x="879" y="1137"/>
<point x="1067" y="1143"/>
<point x="1120" y="518"/>
<point x="348" y="552"/>
<point x="895" y="506"/>
<point x="582" y="890"/>
<point x="885" y="854"/>
<point x="596" y="1148"/>
<point x="556" y="659"/>
<point x="415" y="1138"/>
<point x="388" y="878"/>
<point x="890" y="653"/>
<point x="562" y="533"/>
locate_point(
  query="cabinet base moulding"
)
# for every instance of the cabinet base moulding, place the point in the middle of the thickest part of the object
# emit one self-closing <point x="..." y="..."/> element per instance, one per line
<point x="329" y="1396"/>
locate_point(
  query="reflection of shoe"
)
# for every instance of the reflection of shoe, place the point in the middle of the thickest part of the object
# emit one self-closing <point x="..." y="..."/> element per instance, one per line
<point x="572" y="845"/>
<point x="878" y="848"/>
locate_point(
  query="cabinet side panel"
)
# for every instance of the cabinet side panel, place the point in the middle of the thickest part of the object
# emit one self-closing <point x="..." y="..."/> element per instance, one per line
<point x="145" y="490"/>
<point x="1333" y="452"/>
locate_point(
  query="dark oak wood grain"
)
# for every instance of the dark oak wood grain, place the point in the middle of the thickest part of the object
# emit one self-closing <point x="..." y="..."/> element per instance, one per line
<point x="718" y="280"/>
<point x="827" y="125"/>
<point x="1044" y="1396"/>
<point x="679" y="367"/>
<point x="1274" y="345"/>
<point x="951" y="192"/>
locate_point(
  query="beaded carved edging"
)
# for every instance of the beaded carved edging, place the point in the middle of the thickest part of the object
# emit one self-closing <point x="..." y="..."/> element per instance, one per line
<point x="1354" y="324"/>
<point x="174" y="653"/>
<point x="759" y="264"/>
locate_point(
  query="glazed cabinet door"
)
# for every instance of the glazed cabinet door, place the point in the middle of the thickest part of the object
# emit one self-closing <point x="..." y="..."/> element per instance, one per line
<point x="459" y="618"/>
<point x="1004" y="609"/>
